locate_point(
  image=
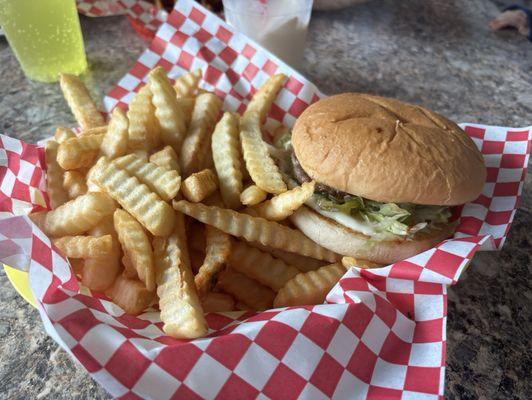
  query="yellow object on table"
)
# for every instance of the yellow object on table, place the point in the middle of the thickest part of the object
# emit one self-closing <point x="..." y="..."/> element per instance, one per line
<point x="21" y="282"/>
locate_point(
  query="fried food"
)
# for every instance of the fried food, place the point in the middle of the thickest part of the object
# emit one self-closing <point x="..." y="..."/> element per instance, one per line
<point x="79" y="151"/>
<point x="260" y="266"/>
<point x="217" y="302"/>
<point x="246" y="290"/>
<point x="74" y="184"/>
<point x="135" y="197"/>
<point x="283" y="205"/>
<point x="62" y="134"/>
<point x="114" y="142"/>
<point x="197" y="144"/>
<point x="131" y="295"/>
<point x="252" y="195"/>
<point x="255" y="229"/>
<point x="162" y="181"/>
<point x="166" y="158"/>
<point x="199" y="185"/>
<point x="144" y="131"/>
<point x="227" y="159"/>
<point x="187" y="84"/>
<point x="79" y="215"/>
<point x="309" y="287"/>
<point x="84" y="246"/>
<point x="80" y="102"/>
<point x="54" y="176"/>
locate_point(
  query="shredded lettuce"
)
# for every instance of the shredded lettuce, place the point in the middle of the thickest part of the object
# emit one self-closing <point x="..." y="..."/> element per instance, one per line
<point x="389" y="220"/>
<point x="283" y="141"/>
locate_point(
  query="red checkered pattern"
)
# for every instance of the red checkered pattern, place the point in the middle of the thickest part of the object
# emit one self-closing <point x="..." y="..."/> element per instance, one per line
<point x="144" y="16"/>
<point x="381" y="333"/>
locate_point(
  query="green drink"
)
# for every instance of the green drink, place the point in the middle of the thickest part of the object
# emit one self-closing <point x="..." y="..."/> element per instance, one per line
<point x="45" y="36"/>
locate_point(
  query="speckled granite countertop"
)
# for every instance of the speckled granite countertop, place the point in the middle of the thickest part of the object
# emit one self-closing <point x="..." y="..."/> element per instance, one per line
<point x="435" y="53"/>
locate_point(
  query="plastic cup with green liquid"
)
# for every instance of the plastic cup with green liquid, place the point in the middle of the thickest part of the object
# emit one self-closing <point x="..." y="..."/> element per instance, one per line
<point x="45" y="36"/>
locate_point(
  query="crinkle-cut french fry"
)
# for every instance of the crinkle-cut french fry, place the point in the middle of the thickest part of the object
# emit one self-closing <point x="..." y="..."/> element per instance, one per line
<point x="136" y="198"/>
<point x="187" y="105"/>
<point x="78" y="215"/>
<point x="38" y="219"/>
<point x="129" y="269"/>
<point x="62" y="134"/>
<point x="252" y="195"/>
<point x="228" y="159"/>
<point x="303" y="263"/>
<point x="92" y="186"/>
<point x="54" y="176"/>
<point x="199" y="185"/>
<point x="309" y="287"/>
<point x="166" y="158"/>
<point x="74" y="184"/>
<point x="181" y="310"/>
<point x="260" y="266"/>
<point x="99" y="130"/>
<point x="255" y="229"/>
<point x="264" y="97"/>
<point x="162" y="181"/>
<point x="137" y="246"/>
<point x="187" y="84"/>
<point x="99" y="273"/>
<point x="349" y="262"/>
<point x="143" y="132"/>
<point x="131" y="295"/>
<point x="283" y="205"/>
<point x="262" y="169"/>
<point x="142" y="154"/>
<point x="218" y="247"/>
<point x="77" y="265"/>
<point x="114" y="142"/>
<point x="197" y="144"/>
<point x="80" y="102"/>
<point x="79" y="151"/>
<point x="84" y="246"/>
<point x="171" y="118"/>
<point x="217" y="302"/>
<point x="246" y="290"/>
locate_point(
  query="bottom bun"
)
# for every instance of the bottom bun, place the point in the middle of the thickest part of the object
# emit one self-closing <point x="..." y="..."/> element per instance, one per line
<point x="347" y="242"/>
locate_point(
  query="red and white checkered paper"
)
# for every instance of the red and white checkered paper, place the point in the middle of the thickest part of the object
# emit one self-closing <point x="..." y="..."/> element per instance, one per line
<point x="144" y="16"/>
<point x="381" y="333"/>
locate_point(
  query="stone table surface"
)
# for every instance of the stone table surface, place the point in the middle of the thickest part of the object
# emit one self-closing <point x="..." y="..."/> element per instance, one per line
<point x="439" y="54"/>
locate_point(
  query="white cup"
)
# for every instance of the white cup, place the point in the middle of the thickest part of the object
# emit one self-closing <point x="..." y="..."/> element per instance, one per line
<point x="278" y="25"/>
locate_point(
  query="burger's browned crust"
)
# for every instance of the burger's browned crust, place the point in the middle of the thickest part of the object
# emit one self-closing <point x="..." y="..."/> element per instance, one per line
<point x="389" y="151"/>
<point x="345" y="241"/>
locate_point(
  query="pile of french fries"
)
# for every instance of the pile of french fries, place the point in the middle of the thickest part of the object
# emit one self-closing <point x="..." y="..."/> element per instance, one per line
<point x="174" y="203"/>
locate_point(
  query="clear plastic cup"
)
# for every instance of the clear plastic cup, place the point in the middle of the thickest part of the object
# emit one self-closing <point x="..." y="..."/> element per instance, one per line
<point x="278" y="25"/>
<point x="45" y="36"/>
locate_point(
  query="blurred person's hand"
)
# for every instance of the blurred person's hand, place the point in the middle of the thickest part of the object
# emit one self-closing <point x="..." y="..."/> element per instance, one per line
<point x="514" y="17"/>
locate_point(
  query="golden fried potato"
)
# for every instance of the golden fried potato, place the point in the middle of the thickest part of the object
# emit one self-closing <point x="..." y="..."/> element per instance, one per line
<point x="283" y="205"/>
<point x="252" y="195"/>
<point x="187" y="84"/>
<point x="99" y="273"/>
<point x="309" y="287"/>
<point x="74" y="183"/>
<point x="349" y="262"/>
<point x="80" y="102"/>
<point x="166" y="158"/>
<point x="114" y="142"/>
<point x="260" y="266"/>
<point x="262" y="169"/>
<point x="79" y="215"/>
<point x="135" y="197"/>
<point x="54" y="176"/>
<point x="255" y="229"/>
<point x="79" y="152"/>
<point x="162" y="181"/>
<point x="217" y="302"/>
<point x="131" y="295"/>
<point x="62" y="134"/>
<point x="218" y="248"/>
<point x="303" y="263"/>
<point x="167" y="110"/>
<point x="228" y="159"/>
<point x="199" y="185"/>
<point x="246" y="290"/>
<point x="136" y="246"/>
<point x="197" y="144"/>
<point x="181" y="310"/>
<point x="144" y="131"/>
<point x="84" y="246"/>
<point x="264" y="97"/>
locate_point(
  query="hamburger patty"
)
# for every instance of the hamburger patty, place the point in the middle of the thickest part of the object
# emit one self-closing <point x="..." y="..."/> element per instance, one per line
<point x="301" y="176"/>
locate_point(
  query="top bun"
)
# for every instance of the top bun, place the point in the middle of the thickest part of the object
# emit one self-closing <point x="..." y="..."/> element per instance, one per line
<point x="388" y="151"/>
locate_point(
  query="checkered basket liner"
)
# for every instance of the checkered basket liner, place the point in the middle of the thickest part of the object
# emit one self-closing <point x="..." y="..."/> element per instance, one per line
<point x="144" y="16"/>
<point x="381" y="333"/>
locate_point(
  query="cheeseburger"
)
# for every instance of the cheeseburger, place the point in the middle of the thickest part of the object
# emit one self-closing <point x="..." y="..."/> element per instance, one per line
<point x="386" y="173"/>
